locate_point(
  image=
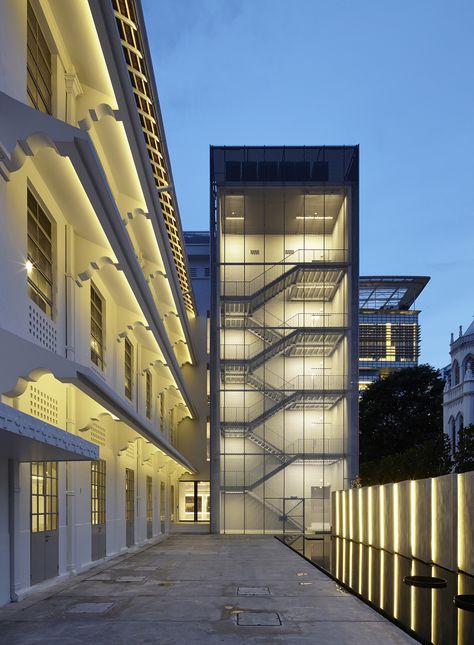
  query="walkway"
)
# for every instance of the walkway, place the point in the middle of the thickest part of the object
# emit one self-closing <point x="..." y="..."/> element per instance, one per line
<point x="199" y="589"/>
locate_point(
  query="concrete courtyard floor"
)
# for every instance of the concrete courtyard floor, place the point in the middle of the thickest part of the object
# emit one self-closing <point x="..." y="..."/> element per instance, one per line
<point x="199" y="589"/>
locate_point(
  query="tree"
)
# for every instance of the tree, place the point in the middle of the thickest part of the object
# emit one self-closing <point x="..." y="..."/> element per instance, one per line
<point x="429" y="459"/>
<point x="464" y="455"/>
<point x="400" y="411"/>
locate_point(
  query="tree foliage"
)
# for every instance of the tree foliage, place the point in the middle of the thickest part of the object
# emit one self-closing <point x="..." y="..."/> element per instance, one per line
<point x="429" y="459"/>
<point x="399" y="412"/>
<point x="464" y="455"/>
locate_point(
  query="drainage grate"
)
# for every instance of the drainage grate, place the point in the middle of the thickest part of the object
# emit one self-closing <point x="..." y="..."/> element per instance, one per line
<point x="258" y="619"/>
<point x="90" y="608"/>
<point x="253" y="591"/>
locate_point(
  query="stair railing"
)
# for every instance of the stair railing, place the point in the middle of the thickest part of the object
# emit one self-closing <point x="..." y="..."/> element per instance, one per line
<point x="277" y="270"/>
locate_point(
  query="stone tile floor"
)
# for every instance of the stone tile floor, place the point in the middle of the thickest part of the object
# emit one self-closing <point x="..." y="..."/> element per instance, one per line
<point x="186" y="590"/>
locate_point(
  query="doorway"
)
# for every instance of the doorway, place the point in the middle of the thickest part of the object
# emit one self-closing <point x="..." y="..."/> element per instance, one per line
<point x="129" y="506"/>
<point x="98" y="492"/>
<point x="44" y="561"/>
<point x="162" y="507"/>
<point x="149" y="506"/>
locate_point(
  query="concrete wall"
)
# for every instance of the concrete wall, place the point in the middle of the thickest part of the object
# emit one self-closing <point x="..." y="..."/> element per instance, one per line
<point x="430" y="519"/>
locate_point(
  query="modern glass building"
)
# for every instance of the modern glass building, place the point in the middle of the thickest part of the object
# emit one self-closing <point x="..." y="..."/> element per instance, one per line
<point x="389" y="327"/>
<point x="284" y="335"/>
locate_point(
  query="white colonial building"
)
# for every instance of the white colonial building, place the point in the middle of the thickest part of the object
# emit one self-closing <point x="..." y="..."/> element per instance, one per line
<point x="458" y="398"/>
<point x="98" y="412"/>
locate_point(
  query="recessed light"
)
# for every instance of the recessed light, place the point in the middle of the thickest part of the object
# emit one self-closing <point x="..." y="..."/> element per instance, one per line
<point x="315" y="216"/>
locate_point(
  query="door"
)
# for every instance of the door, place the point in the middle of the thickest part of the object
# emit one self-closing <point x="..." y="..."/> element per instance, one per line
<point x="129" y="506"/>
<point x="98" y="491"/>
<point x="162" y="508"/>
<point x="293" y="515"/>
<point x="44" y="521"/>
<point x="149" y="506"/>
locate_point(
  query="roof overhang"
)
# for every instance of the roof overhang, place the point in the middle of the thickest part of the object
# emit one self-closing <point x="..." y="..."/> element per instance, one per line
<point x="26" y="438"/>
<point x="31" y="361"/>
<point x="26" y="131"/>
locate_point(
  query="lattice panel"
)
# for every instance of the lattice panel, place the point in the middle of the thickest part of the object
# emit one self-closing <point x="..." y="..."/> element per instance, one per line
<point x="98" y="434"/>
<point x="42" y="329"/>
<point x="133" y="49"/>
<point x="43" y="406"/>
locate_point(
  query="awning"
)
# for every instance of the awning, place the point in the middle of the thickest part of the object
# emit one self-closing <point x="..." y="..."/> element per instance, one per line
<point x="27" y="438"/>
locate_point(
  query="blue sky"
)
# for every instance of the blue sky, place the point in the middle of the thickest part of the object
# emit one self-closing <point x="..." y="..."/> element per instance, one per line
<point x="395" y="77"/>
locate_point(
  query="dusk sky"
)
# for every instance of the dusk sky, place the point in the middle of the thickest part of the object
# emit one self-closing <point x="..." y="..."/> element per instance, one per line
<point x="397" y="78"/>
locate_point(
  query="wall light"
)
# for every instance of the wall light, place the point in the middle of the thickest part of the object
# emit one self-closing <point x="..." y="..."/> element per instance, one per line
<point x="29" y="266"/>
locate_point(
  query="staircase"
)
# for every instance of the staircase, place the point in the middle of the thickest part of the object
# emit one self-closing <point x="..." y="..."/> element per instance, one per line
<point x="251" y="424"/>
<point x="315" y="343"/>
<point x="316" y="284"/>
<point x="289" y="522"/>
<point x="243" y="487"/>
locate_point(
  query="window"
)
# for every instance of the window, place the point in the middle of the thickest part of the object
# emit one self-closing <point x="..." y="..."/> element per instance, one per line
<point x="40" y="256"/>
<point x="128" y="369"/>
<point x="44" y="496"/>
<point x="149" y="394"/>
<point x="98" y="492"/>
<point x="149" y="498"/>
<point x="162" y="412"/>
<point x="38" y="66"/>
<point x="129" y="494"/>
<point x="456" y="374"/>
<point x="97" y="326"/>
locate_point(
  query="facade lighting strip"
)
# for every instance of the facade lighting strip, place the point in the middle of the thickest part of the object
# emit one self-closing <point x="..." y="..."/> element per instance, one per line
<point x="133" y="49"/>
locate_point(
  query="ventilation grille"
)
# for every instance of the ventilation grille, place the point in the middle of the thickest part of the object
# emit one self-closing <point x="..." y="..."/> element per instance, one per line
<point x="41" y="328"/>
<point x="254" y="252"/>
<point x="43" y="406"/>
<point x="289" y="251"/>
<point x="98" y="435"/>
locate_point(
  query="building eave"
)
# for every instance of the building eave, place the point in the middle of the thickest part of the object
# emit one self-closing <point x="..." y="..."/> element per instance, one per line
<point x="26" y="438"/>
<point x="29" y="361"/>
<point x="26" y="132"/>
<point x="104" y="19"/>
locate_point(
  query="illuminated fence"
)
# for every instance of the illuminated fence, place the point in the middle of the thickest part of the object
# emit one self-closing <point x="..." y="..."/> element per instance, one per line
<point x="428" y="519"/>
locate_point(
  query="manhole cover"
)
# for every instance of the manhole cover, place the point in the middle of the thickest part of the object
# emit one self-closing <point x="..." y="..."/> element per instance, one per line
<point x="253" y="591"/>
<point x="130" y="579"/>
<point x="90" y="608"/>
<point x="258" y="618"/>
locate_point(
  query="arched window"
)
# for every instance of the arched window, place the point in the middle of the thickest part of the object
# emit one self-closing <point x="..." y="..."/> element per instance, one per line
<point x="452" y="432"/>
<point x="460" y="422"/>
<point x="468" y="362"/>
<point x="455" y="372"/>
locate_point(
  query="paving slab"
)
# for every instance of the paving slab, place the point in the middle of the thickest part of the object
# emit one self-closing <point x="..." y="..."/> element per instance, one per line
<point x="193" y="589"/>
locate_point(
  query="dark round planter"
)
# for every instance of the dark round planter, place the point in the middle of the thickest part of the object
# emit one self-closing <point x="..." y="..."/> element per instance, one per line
<point x="464" y="601"/>
<point x="425" y="582"/>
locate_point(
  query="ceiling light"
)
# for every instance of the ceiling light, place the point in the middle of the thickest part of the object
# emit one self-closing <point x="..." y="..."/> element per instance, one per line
<point x="315" y="216"/>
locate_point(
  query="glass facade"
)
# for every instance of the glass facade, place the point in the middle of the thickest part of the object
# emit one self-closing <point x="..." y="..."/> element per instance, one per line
<point x="284" y="337"/>
<point x="389" y="332"/>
